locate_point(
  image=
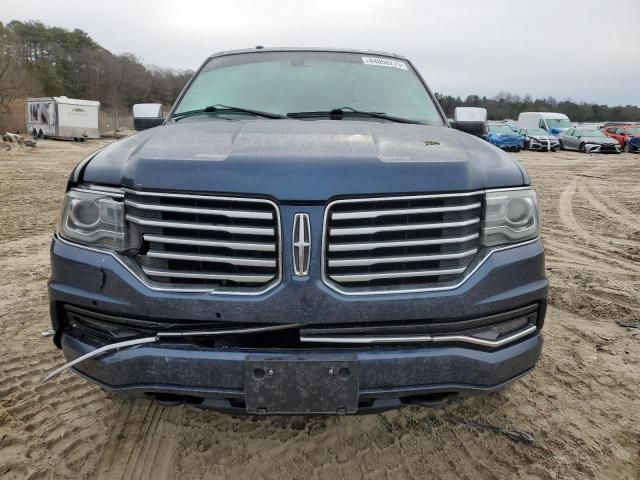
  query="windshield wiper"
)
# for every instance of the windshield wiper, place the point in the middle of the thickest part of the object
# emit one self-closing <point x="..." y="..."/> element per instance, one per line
<point x="219" y="108"/>
<point x="339" y="113"/>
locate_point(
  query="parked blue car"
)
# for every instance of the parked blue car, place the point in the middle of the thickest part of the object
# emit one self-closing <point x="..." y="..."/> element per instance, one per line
<point x="633" y="144"/>
<point x="502" y="136"/>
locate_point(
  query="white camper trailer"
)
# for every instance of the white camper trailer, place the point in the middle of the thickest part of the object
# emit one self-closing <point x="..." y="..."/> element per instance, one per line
<point x="63" y="117"/>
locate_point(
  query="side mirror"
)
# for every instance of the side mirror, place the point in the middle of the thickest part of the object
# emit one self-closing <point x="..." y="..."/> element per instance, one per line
<point x="471" y="120"/>
<point x="147" y="115"/>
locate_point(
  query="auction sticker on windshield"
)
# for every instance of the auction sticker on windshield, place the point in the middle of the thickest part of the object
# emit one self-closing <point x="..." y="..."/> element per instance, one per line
<point x="384" y="62"/>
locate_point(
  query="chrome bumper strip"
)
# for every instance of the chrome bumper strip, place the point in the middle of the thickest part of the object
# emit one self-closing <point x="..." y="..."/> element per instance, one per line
<point x="370" y="340"/>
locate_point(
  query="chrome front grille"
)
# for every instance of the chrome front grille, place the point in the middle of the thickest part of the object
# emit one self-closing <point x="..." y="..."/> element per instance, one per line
<point x="204" y="242"/>
<point x="400" y="243"/>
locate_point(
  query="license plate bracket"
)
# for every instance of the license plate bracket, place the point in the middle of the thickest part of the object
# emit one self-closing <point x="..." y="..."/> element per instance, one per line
<point x="301" y="385"/>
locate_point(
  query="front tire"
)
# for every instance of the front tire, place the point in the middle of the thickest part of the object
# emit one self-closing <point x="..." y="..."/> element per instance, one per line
<point x="582" y="148"/>
<point x="627" y="148"/>
<point x="560" y="145"/>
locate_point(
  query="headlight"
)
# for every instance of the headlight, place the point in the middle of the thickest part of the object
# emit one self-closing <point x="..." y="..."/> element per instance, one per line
<point x="511" y="216"/>
<point x="95" y="219"/>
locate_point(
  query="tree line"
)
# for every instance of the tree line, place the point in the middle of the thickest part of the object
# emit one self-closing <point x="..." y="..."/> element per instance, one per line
<point x="506" y="105"/>
<point x="38" y="60"/>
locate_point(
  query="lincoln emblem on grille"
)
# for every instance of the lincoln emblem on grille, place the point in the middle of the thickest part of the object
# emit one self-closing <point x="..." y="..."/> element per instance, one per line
<point x="301" y="244"/>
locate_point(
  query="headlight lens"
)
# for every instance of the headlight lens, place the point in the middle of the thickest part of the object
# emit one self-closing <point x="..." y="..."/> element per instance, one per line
<point x="511" y="216"/>
<point x="93" y="218"/>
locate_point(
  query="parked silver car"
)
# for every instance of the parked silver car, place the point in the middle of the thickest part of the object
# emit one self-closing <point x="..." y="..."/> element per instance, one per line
<point x="588" y="141"/>
<point x="539" y="139"/>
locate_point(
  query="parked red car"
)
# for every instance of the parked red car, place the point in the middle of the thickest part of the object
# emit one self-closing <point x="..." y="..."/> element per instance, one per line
<point x="622" y="133"/>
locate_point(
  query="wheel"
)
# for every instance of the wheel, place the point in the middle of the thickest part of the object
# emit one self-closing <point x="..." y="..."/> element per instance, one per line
<point x="627" y="147"/>
<point x="560" y="146"/>
<point x="582" y="148"/>
<point x="555" y="149"/>
<point x="34" y="134"/>
<point x="40" y="134"/>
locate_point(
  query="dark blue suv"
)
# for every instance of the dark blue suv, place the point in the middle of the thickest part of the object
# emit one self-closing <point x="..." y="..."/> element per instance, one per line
<point x="303" y="234"/>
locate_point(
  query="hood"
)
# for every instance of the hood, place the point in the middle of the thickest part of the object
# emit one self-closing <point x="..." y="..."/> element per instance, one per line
<point x="299" y="160"/>
<point x="599" y="140"/>
<point x="507" y="135"/>
<point x="506" y="139"/>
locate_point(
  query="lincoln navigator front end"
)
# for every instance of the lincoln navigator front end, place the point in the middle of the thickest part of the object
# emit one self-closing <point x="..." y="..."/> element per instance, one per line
<point x="303" y="234"/>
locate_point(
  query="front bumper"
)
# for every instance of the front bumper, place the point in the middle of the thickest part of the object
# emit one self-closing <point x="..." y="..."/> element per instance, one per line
<point x="598" y="148"/>
<point x="510" y="145"/>
<point x="543" y="145"/>
<point x="214" y="377"/>
<point x="388" y="377"/>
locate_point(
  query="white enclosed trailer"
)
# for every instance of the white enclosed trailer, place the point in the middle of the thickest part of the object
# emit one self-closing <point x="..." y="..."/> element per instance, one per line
<point x="63" y="117"/>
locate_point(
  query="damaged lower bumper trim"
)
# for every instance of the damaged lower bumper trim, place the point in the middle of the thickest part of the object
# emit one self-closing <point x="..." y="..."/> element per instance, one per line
<point x="387" y="377"/>
<point x="113" y="347"/>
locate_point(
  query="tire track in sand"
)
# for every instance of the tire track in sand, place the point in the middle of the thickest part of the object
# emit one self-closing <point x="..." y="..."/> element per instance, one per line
<point x="58" y="417"/>
<point x="628" y="221"/>
<point x="565" y="209"/>
<point x="141" y="442"/>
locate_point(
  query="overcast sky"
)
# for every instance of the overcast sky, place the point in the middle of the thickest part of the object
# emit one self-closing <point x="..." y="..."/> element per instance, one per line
<point x="584" y="50"/>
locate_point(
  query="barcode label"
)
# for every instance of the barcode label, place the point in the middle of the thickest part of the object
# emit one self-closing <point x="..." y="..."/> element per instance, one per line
<point x="384" y="62"/>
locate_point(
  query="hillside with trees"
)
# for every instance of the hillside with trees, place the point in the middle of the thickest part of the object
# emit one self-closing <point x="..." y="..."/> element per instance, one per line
<point x="38" y="60"/>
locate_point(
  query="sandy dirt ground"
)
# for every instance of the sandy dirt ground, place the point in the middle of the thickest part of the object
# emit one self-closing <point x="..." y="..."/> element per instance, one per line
<point x="581" y="406"/>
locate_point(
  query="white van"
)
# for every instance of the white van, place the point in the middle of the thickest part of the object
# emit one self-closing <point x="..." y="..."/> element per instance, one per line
<point x="553" y="123"/>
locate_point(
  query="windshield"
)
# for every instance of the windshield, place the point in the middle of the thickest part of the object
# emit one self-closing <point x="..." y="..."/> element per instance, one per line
<point x="500" y="129"/>
<point x="288" y="82"/>
<point x="558" y="123"/>
<point x="536" y="132"/>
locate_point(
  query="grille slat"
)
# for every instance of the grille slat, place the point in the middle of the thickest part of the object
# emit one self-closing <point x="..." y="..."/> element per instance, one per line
<point x="255" y="262"/>
<point x="202" y="211"/>
<point x="365" y="277"/>
<point x="201" y="226"/>
<point x="351" y="262"/>
<point x="260" y="247"/>
<point x="208" y="276"/>
<point x="401" y="228"/>
<point x="401" y="211"/>
<point x="401" y="243"/>
<point x="346" y="247"/>
<point x="208" y="243"/>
